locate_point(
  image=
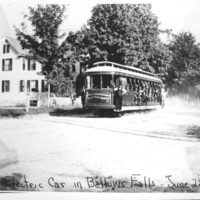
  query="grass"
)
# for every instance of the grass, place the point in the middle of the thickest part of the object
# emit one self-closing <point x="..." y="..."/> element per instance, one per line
<point x="40" y="110"/>
<point x="19" y="111"/>
<point x="12" y="112"/>
<point x="16" y="112"/>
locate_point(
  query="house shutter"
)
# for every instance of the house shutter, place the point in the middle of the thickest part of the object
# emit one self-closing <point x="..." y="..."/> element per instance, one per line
<point x="36" y="85"/>
<point x="29" y="63"/>
<point x="20" y="86"/>
<point x="28" y="85"/>
<point x="10" y="64"/>
<point x="2" y="86"/>
<point x="8" y="48"/>
<point x="3" y="65"/>
<point x="35" y="64"/>
<point x="42" y="83"/>
<point x="8" y="82"/>
<point x="20" y="82"/>
<point x="4" y="48"/>
<point x="23" y="64"/>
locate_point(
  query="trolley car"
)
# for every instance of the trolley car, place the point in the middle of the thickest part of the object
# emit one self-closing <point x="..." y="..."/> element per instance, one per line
<point x="143" y="89"/>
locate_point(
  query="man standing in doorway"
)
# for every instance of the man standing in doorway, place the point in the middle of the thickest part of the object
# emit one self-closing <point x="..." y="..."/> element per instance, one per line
<point x="119" y="92"/>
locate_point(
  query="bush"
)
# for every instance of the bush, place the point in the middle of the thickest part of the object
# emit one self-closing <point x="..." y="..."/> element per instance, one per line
<point x="194" y="131"/>
<point x="12" y="112"/>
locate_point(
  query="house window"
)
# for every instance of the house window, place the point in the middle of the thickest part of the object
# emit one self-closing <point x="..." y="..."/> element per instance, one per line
<point x="6" y="48"/>
<point x="24" y="64"/>
<point x="32" y="86"/>
<point x="22" y="86"/>
<point x="31" y="64"/>
<point x="44" y="86"/>
<point x="6" y="86"/>
<point x="73" y="68"/>
<point x="7" y="64"/>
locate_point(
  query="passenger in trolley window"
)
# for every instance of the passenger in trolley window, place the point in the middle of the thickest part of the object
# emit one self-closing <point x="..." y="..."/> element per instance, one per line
<point x="145" y="94"/>
<point x="119" y="92"/>
<point x="160" y="86"/>
<point x="136" y="94"/>
<point x="154" y="93"/>
<point x="135" y="91"/>
<point x="141" y="93"/>
<point x="157" y="93"/>
<point x="150" y="92"/>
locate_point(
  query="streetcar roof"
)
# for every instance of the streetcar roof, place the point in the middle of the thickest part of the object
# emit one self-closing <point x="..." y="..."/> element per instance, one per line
<point x="118" y="71"/>
<point x="126" y="67"/>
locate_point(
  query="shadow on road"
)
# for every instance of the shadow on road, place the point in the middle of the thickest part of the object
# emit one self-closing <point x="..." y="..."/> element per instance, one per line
<point x="79" y="112"/>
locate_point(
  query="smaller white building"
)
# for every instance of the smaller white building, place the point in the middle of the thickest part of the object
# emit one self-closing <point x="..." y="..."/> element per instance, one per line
<point x="19" y="74"/>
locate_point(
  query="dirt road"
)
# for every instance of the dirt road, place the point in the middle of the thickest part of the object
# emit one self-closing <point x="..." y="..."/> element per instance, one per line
<point x="137" y="152"/>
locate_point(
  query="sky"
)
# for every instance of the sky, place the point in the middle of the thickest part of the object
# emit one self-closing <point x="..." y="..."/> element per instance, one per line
<point x="178" y="15"/>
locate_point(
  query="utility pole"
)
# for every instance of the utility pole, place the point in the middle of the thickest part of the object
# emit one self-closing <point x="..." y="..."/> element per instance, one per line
<point x="27" y="102"/>
<point x="48" y="100"/>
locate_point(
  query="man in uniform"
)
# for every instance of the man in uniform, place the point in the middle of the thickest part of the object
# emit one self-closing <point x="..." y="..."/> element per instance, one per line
<point x="119" y="92"/>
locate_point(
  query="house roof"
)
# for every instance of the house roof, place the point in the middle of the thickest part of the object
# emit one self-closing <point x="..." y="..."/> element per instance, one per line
<point x="16" y="46"/>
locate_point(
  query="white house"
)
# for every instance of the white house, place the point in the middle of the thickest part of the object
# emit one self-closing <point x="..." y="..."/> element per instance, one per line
<point x="19" y="74"/>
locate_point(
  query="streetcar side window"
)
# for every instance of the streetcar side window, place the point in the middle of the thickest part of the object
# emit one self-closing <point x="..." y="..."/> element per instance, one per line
<point x="133" y="84"/>
<point x="137" y="85"/>
<point x="130" y="85"/>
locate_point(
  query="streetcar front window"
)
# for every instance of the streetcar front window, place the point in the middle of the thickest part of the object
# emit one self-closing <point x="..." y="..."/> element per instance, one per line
<point x="96" y="82"/>
<point x="99" y="82"/>
<point x="107" y="81"/>
<point x="93" y="82"/>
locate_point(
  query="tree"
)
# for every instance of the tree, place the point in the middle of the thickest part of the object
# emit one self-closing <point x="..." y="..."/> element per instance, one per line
<point x="184" y="72"/>
<point x="124" y="33"/>
<point x="44" y="43"/>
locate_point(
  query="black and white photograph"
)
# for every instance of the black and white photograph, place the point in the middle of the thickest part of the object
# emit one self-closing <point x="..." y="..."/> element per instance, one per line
<point x="100" y="97"/>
